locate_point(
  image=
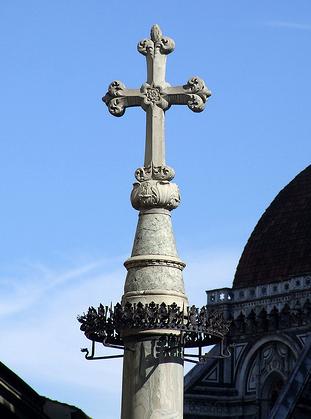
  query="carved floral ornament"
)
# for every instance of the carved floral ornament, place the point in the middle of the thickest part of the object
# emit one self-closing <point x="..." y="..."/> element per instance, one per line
<point x="163" y="44"/>
<point x="153" y="95"/>
<point x="194" y="94"/>
<point x="155" y="194"/>
<point x="154" y="172"/>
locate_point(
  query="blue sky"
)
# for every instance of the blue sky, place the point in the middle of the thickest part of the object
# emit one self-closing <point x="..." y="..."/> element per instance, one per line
<point x="66" y="165"/>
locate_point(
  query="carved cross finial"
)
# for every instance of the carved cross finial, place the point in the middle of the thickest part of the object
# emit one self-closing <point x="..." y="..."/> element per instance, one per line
<point x="155" y="97"/>
<point x="155" y="33"/>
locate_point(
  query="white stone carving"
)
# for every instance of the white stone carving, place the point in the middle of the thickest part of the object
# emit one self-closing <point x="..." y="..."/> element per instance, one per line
<point x="156" y="95"/>
<point x="155" y="194"/>
<point x="156" y="173"/>
<point x="153" y="95"/>
<point x="165" y="45"/>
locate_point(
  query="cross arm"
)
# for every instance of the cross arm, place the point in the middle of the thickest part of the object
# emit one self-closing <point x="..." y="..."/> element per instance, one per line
<point x="194" y="94"/>
<point x="118" y="98"/>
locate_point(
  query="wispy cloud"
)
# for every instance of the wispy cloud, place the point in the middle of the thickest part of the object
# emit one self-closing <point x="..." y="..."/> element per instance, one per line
<point x="289" y="25"/>
<point x="42" y="336"/>
<point x="31" y="282"/>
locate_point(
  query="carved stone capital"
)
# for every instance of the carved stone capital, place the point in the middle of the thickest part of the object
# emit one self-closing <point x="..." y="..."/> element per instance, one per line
<point x="154" y="172"/>
<point x="158" y="42"/>
<point x="155" y="194"/>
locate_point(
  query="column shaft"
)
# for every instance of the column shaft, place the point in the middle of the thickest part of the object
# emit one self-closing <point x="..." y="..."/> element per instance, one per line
<point x="152" y="382"/>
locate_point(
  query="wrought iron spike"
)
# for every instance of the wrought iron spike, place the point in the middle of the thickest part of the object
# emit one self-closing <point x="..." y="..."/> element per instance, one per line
<point x="197" y="326"/>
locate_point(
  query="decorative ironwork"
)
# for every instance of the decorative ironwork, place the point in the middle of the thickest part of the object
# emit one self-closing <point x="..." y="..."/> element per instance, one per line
<point x="92" y="357"/>
<point x="197" y="327"/>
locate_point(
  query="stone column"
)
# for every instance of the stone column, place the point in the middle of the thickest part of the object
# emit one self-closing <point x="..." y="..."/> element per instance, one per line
<point x="153" y="378"/>
<point x="152" y="382"/>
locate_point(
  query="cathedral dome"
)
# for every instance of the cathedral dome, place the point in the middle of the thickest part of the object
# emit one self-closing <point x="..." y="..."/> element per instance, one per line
<point x="280" y="245"/>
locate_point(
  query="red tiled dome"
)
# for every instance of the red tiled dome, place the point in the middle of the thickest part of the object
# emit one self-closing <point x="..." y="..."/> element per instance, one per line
<point x="280" y="245"/>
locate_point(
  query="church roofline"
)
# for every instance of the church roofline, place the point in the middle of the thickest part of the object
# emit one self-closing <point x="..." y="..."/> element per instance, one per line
<point x="259" y="292"/>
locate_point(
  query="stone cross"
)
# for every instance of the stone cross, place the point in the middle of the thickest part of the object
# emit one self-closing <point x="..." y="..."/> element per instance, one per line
<point x="155" y="97"/>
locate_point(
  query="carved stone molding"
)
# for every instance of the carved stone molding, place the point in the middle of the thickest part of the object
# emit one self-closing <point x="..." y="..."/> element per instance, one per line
<point x="154" y="172"/>
<point x="155" y="194"/>
<point x="203" y="408"/>
<point x="154" y="260"/>
<point x="261" y="292"/>
<point x="272" y="357"/>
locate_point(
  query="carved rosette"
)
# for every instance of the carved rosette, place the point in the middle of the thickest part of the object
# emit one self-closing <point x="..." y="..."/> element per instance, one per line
<point x="155" y="194"/>
<point x="153" y="95"/>
<point x="163" y="44"/>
